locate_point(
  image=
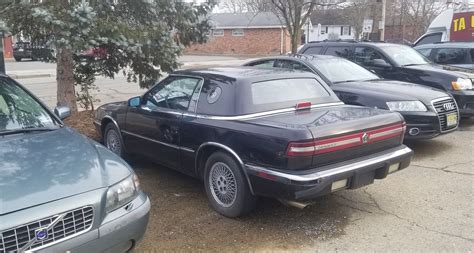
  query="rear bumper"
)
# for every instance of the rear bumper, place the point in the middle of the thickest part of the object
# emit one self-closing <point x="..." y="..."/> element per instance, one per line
<point x="310" y="184"/>
<point x="465" y="101"/>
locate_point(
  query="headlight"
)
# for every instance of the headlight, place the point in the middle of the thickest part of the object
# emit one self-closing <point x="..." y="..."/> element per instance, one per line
<point x="122" y="193"/>
<point x="403" y="106"/>
<point x="462" y="84"/>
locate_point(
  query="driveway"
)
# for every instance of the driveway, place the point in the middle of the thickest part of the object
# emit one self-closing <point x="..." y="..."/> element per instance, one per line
<point x="427" y="207"/>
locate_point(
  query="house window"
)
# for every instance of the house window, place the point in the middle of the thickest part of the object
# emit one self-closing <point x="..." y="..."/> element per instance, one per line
<point x="218" y="32"/>
<point x="238" y="32"/>
<point x="345" y="30"/>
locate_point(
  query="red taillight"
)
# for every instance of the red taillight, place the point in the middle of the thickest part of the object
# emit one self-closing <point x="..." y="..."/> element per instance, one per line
<point x="303" y="105"/>
<point x="345" y="141"/>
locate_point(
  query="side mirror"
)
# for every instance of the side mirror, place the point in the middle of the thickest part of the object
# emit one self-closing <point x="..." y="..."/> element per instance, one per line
<point x="62" y="112"/>
<point x="381" y="64"/>
<point x="135" y="102"/>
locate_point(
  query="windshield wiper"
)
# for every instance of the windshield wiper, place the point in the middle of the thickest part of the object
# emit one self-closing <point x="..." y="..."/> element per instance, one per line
<point x="26" y="130"/>
<point x="346" y="81"/>
<point x="414" y="64"/>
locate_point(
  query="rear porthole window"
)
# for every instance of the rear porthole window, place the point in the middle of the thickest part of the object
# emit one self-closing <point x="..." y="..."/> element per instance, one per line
<point x="214" y="95"/>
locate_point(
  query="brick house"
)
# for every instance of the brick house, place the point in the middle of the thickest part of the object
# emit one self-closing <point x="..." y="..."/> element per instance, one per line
<point x="244" y="34"/>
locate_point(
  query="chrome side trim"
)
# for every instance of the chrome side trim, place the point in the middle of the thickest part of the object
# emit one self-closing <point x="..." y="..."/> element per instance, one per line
<point x="151" y="140"/>
<point x="187" y="149"/>
<point x="334" y="171"/>
<point x="260" y="114"/>
<point x="98" y="123"/>
<point x="232" y="152"/>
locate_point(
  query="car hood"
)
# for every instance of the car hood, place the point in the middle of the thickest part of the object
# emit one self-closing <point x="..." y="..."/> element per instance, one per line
<point x="391" y="90"/>
<point x="38" y="168"/>
<point x="448" y="70"/>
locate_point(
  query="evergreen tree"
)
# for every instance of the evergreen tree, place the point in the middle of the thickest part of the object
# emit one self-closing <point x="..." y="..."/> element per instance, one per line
<point x="140" y="38"/>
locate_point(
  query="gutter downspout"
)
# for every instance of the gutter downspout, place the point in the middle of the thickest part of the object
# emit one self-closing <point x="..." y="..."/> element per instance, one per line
<point x="281" y="41"/>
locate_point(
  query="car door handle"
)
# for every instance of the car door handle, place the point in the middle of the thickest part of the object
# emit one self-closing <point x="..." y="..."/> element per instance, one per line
<point x="146" y="108"/>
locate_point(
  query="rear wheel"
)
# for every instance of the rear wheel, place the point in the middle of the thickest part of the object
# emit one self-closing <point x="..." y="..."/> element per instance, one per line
<point x="226" y="186"/>
<point x="17" y="58"/>
<point x="112" y="140"/>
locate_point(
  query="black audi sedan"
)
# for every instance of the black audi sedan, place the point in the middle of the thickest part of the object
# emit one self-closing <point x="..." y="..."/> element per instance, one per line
<point x="403" y="63"/>
<point x="249" y="132"/>
<point x="428" y="112"/>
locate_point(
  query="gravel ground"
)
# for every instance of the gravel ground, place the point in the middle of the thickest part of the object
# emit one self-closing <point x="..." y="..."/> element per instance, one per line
<point x="427" y="207"/>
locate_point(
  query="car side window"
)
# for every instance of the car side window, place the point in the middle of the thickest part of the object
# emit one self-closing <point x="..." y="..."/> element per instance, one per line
<point x="344" y="52"/>
<point x="368" y="56"/>
<point x="430" y="39"/>
<point x="173" y="93"/>
<point x="425" y="51"/>
<point x="450" y="56"/>
<point x="313" y="50"/>
<point x="263" y="64"/>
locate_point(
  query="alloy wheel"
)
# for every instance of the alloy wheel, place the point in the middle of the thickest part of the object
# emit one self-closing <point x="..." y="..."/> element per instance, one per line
<point x="222" y="184"/>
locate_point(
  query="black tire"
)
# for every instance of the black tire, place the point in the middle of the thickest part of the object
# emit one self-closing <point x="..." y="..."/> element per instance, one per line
<point x="17" y="59"/>
<point x="115" y="145"/>
<point x="227" y="204"/>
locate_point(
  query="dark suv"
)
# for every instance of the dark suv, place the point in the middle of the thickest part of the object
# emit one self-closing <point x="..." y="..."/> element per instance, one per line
<point x="403" y="63"/>
<point x="459" y="54"/>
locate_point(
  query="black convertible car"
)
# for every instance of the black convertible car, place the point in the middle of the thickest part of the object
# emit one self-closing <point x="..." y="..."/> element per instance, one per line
<point x="428" y="112"/>
<point x="250" y="132"/>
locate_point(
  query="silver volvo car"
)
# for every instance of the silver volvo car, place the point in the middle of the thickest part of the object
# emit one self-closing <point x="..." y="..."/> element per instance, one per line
<point x="60" y="191"/>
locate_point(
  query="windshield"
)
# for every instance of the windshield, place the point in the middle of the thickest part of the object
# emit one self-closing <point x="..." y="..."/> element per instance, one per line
<point x="18" y="110"/>
<point x="342" y="70"/>
<point x="404" y="55"/>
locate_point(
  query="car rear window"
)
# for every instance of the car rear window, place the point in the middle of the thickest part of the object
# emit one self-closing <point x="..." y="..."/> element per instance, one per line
<point x="287" y="90"/>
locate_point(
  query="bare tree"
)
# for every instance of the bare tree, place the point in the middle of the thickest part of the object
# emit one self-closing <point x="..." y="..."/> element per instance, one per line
<point x="355" y="12"/>
<point x="420" y="13"/>
<point x="241" y="6"/>
<point x="295" y="13"/>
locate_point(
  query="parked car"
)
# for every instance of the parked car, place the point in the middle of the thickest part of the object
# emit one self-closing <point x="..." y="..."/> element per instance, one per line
<point x="421" y="106"/>
<point x="250" y="132"/>
<point x="403" y="63"/>
<point x="91" y="54"/>
<point x="61" y="192"/>
<point x="458" y="54"/>
<point x="22" y="50"/>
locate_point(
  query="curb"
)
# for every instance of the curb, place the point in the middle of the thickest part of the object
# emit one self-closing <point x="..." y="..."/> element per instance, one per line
<point x="16" y="76"/>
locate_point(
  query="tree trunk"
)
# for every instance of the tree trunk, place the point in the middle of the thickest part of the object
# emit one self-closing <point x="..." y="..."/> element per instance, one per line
<point x="295" y="41"/>
<point x="66" y="95"/>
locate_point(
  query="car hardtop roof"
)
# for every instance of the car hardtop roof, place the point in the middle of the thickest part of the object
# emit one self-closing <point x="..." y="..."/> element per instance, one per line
<point x="448" y="45"/>
<point x="305" y="57"/>
<point x="243" y="72"/>
<point x="345" y="42"/>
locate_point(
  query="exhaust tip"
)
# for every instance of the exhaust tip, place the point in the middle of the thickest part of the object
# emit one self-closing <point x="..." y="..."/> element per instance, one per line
<point x="414" y="131"/>
<point x="299" y="205"/>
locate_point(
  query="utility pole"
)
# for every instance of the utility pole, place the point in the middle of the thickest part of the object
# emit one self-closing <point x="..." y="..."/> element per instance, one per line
<point x="2" y="59"/>
<point x="382" y="22"/>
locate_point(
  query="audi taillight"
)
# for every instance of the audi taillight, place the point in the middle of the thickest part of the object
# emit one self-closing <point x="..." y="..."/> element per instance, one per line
<point x="315" y="147"/>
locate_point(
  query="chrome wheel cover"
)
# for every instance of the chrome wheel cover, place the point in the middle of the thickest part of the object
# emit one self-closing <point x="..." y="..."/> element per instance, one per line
<point x="113" y="141"/>
<point x="222" y="184"/>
